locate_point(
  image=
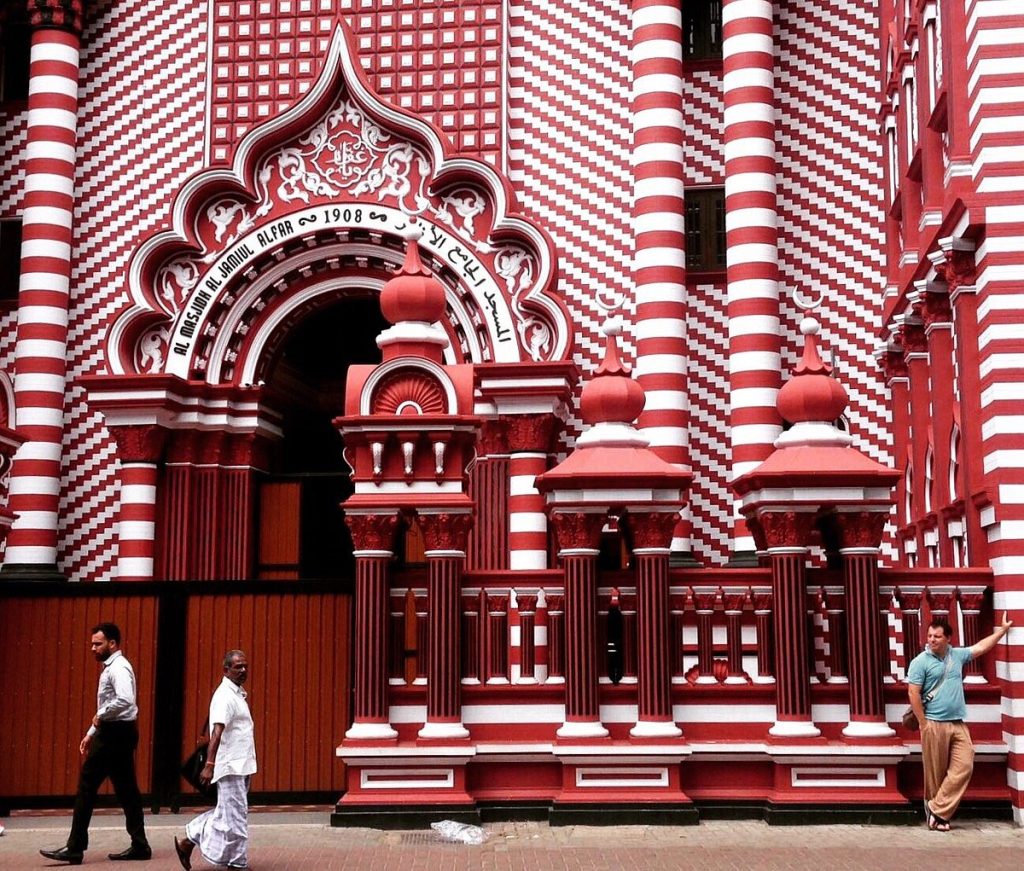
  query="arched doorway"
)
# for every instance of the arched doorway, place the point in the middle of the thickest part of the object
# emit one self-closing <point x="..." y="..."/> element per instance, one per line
<point x="301" y="533"/>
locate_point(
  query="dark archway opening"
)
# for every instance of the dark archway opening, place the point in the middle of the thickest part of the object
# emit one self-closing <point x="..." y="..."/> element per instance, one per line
<point x="302" y="531"/>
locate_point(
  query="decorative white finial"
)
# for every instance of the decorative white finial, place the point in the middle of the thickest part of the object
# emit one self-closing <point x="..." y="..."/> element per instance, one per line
<point x="613" y="326"/>
<point x="414" y="232"/>
<point x="809" y="326"/>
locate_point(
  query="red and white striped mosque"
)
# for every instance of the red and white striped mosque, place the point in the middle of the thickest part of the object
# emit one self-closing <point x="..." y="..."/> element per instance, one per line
<point x="663" y="357"/>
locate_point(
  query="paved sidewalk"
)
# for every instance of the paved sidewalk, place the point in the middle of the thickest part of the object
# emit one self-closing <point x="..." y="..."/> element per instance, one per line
<point x="296" y="840"/>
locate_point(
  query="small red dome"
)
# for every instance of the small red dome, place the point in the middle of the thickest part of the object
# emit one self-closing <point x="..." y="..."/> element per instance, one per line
<point x="414" y="294"/>
<point x="811" y="394"/>
<point x="611" y="396"/>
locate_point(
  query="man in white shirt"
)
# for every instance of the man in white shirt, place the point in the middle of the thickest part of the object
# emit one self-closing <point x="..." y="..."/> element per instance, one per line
<point x="222" y="833"/>
<point x="109" y="751"/>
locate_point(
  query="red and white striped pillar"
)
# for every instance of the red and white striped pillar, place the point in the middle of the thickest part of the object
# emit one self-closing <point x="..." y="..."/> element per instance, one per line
<point x="515" y="639"/>
<point x="659" y="269"/>
<point x="861" y="544"/>
<point x="579" y="538"/>
<point x="373" y="536"/>
<point x="752" y="258"/>
<point x="529" y="438"/>
<point x="787" y="534"/>
<point x="540" y="638"/>
<point x="139" y="449"/>
<point x="652" y="534"/>
<point x="446" y="534"/>
<point x="44" y="290"/>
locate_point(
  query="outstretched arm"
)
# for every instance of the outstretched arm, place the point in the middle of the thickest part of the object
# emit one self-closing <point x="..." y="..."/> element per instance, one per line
<point x="986" y="644"/>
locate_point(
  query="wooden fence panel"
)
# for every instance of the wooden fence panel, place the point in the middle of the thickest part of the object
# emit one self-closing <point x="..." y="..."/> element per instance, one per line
<point x="298" y="688"/>
<point x="48" y="686"/>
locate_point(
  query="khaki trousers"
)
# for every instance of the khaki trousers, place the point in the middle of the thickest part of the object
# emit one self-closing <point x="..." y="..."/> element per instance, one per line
<point x="948" y="756"/>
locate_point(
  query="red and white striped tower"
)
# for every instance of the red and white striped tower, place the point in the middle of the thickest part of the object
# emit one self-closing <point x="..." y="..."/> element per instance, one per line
<point x="529" y="437"/>
<point x="752" y="259"/>
<point x="786" y="534"/>
<point x="579" y="538"/>
<point x="373" y="535"/>
<point x="446" y="534"/>
<point x="861" y="544"/>
<point x="139" y="449"/>
<point x="43" y="295"/>
<point x="652" y="534"/>
<point x="659" y="271"/>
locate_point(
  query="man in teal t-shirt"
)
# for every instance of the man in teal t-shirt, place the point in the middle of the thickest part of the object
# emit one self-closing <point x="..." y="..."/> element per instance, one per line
<point x="936" y="686"/>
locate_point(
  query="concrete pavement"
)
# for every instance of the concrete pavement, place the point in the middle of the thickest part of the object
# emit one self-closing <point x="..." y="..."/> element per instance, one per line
<point x="282" y="841"/>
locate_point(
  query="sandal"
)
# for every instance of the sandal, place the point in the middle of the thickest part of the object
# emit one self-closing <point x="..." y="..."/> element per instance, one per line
<point x="184" y="856"/>
<point x="935" y="822"/>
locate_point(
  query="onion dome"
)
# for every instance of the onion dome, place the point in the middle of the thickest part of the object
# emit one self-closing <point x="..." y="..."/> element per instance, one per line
<point x="414" y="294"/>
<point x="611" y="396"/>
<point x="812" y="394"/>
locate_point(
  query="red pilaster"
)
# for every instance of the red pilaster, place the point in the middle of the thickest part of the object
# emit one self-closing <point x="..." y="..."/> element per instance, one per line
<point x="861" y="537"/>
<point x="910" y="605"/>
<point x="898" y="378"/>
<point x="939" y="332"/>
<point x="579" y="535"/>
<point x="445" y="534"/>
<point x="373" y="536"/>
<point x="915" y="348"/>
<point x="704" y="604"/>
<point x="786" y="534"/>
<point x="652" y="539"/>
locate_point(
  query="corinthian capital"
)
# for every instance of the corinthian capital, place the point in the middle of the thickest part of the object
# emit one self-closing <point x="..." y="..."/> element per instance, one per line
<point x="61" y="14"/>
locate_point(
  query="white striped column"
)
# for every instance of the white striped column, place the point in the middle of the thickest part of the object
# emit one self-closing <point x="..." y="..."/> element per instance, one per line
<point x="659" y="269"/>
<point x="528" y="438"/>
<point x="40" y="355"/>
<point x="751" y="220"/>
<point x="138" y="450"/>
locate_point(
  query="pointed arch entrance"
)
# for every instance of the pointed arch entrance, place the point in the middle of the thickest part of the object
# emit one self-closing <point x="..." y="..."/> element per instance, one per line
<point x="314" y="207"/>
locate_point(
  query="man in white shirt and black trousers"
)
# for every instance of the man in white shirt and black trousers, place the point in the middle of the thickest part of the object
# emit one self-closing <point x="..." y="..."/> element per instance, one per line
<point x="109" y="751"/>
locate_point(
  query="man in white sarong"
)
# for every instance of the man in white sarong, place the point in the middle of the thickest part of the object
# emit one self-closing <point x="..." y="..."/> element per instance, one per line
<point x="222" y="833"/>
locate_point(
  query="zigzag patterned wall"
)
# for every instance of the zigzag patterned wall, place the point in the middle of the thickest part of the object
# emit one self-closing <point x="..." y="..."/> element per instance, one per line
<point x="140" y="134"/>
<point x="568" y="83"/>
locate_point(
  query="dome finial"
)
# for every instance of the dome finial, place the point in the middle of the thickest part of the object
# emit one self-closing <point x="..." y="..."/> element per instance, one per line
<point x="413" y="294"/>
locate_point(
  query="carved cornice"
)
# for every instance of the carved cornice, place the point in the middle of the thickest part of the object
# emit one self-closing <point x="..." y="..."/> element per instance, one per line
<point x="372" y="531"/>
<point x="651" y="528"/>
<point x="936" y="309"/>
<point x="530" y="432"/>
<point x="913" y="338"/>
<point x="59" y="14"/>
<point x="578" y="529"/>
<point x="139" y="444"/>
<point x="861" y="528"/>
<point x="445" y="530"/>
<point x="893" y="364"/>
<point x="786" y="528"/>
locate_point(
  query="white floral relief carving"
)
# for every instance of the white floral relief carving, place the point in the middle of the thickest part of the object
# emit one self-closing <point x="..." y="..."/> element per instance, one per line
<point x="348" y="153"/>
<point x="175" y="281"/>
<point x="519" y="269"/>
<point x="152" y="350"/>
<point x="467" y="205"/>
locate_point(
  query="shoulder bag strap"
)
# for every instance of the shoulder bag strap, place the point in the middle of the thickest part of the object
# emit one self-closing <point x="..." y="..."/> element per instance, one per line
<point x="945" y="674"/>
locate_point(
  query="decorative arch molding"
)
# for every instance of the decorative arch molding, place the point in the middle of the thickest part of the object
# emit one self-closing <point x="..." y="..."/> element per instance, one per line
<point x="419" y="371"/>
<point x="345" y="173"/>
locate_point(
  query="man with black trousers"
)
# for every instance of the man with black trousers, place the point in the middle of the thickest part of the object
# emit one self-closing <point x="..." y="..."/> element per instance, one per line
<point x="109" y="751"/>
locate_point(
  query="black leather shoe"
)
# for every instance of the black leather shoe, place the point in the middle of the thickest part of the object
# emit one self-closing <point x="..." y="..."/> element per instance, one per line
<point x="132" y="854"/>
<point x="63" y="855"/>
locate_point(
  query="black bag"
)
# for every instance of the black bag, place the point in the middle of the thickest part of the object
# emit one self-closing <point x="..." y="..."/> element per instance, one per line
<point x="192" y="767"/>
